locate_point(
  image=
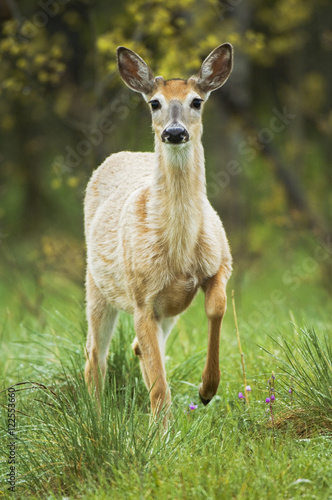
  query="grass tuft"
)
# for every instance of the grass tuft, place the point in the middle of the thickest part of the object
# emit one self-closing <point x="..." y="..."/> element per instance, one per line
<point x="307" y="374"/>
<point x="67" y="448"/>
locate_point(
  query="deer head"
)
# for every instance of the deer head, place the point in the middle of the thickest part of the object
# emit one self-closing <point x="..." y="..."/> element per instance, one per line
<point x="176" y="105"/>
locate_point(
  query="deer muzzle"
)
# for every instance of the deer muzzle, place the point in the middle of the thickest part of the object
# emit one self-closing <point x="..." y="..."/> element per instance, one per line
<point x="175" y="134"/>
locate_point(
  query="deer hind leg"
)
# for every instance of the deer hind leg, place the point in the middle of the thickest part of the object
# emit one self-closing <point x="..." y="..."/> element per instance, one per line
<point x="101" y="322"/>
<point x="147" y="347"/>
<point x="167" y="325"/>
<point x="215" y="307"/>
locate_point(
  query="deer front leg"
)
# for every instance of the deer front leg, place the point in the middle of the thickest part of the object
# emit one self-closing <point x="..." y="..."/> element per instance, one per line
<point x="215" y="307"/>
<point x="138" y="353"/>
<point x="147" y="348"/>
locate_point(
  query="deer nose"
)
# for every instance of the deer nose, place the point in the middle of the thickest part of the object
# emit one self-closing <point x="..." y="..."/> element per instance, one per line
<point x="175" y="134"/>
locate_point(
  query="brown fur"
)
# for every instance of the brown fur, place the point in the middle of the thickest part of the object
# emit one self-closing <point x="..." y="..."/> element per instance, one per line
<point x="178" y="89"/>
<point x="153" y="238"/>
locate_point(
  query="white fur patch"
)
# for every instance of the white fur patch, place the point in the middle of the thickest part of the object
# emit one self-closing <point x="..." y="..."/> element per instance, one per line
<point x="179" y="155"/>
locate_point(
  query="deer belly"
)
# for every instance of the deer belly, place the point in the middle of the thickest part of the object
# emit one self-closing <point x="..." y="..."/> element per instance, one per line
<point x="176" y="297"/>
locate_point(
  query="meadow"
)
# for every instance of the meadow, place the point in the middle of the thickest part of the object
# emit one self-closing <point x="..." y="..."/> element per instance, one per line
<point x="267" y="140"/>
<point x="230" y="449"/>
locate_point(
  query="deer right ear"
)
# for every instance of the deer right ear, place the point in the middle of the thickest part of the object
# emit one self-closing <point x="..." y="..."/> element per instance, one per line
<point x="134" y="71"/>
<point x="216" y="68"/>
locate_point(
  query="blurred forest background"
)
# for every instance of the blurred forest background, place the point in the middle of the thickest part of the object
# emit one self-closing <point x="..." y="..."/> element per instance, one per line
<point x="63" y="109"/>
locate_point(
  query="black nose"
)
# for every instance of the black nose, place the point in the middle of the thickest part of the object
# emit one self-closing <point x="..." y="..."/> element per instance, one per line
<point x="175" y="134"/>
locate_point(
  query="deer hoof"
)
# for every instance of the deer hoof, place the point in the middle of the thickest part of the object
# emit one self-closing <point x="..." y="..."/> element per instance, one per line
<point x="204" y="401"/>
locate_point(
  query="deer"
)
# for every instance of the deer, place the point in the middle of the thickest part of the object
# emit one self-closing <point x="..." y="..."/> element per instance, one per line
<point x="152" y="237"/>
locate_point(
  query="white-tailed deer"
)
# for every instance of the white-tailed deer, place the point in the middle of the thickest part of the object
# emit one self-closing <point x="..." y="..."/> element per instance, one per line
<point x="153" y="238"/>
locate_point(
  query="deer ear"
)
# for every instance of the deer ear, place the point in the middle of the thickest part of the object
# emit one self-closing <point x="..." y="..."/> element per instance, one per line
<point x="134" y="71"/>
<point x="216" y="68"/>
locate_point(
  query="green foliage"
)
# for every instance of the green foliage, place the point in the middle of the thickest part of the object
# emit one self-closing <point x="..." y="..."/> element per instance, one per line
<point x="157" y="30"/>
<point x="59" y="80"/>
<point x="66" y="448"/>
<point x="308" y="365"/>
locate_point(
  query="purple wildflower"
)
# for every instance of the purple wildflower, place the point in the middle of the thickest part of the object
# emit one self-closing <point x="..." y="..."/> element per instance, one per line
<point x="241" y="395"/>
<point x="272" y="397"/>
<point x="290" y="391"/>
<point x="193" y="407"/>
<point x="268" y="400"/>
<point x="248" y="388"/>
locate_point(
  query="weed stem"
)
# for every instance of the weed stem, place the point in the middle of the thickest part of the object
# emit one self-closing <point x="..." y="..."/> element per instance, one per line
<point x="240" y="349"/>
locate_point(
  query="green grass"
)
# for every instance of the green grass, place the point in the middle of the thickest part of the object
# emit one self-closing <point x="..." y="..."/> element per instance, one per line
<point x="67" y="449"/>
<point x="307" y="370"/>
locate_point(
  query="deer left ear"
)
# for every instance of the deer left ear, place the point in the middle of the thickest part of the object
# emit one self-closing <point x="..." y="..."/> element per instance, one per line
<point x="216" y="68"/>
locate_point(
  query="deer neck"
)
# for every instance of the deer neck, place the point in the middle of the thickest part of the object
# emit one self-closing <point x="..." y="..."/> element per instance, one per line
<point x="178" y="193"/>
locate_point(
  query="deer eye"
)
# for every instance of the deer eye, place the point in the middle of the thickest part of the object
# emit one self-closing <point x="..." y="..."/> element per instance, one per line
<point x="155" y="104"/>
<point x="196" y="103"/>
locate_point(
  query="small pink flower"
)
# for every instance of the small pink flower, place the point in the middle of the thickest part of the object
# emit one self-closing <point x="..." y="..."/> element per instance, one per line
<point x="241" y="395"/>
<point x="248" y="388"/>
<point x="268" y="400"/>
<point x="193" y="407"/>
<point x="290" y="391"/>
<point x="273" y="397"/>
